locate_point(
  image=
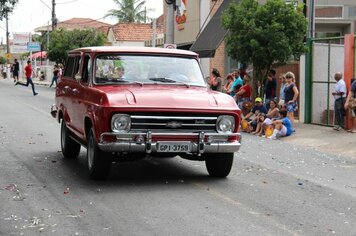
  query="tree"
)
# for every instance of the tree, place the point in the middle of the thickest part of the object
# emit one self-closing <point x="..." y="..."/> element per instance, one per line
<point x="265" y="35"/>
<point x="62" y="41"/>
<point x="6" y="6"/>
<point x="128" y="12"/>
<point x="2" y="60"/>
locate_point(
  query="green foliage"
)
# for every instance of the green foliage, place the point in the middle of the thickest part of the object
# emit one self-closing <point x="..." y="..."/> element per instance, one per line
<point x="62" y="41"/>
<point x="6" y="6"/>
<point x="128" y="12"/>
<point x="2" y="60"/>
<point x="265" y="35"/>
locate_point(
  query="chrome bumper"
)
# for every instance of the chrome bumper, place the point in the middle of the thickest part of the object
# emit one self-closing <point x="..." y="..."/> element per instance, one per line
<point x="144" y="143"/>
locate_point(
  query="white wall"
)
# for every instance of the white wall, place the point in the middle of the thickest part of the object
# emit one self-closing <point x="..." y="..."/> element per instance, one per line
<point x="204" y="12"/>
<point x="320" y="74"/>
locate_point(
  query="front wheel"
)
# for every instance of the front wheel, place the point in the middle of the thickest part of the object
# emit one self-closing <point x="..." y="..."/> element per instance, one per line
<point x="219" y="164"/>
<point x="70" y="148"/>
<point x="99" y="162"/>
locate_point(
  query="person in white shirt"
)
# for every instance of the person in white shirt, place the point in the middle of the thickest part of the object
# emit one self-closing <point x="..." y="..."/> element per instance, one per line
<point x="340" y="98"/>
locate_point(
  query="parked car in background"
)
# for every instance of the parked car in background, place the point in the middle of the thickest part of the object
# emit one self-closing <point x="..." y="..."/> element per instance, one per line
<point x="127" y="103"/>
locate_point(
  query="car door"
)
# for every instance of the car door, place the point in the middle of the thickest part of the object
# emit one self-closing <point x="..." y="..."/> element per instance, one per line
<point x="80" y="91"/>
<point x="65" y="93"/>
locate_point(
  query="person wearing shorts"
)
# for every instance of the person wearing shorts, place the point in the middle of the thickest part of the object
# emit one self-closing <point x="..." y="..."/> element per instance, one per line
<point x="290" y="94"/>
<point x="282" y="127"/>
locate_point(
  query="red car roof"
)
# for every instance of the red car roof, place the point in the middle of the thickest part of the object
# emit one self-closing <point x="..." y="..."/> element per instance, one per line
<point x="134" y="49"/>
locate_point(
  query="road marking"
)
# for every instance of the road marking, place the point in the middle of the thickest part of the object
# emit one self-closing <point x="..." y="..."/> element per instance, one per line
<point x="243" y="207"/>
<point x="35" y="108"/>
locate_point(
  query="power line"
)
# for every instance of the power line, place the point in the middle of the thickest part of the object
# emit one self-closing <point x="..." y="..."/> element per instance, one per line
<point x="46" y="5"/>
<point x="67" y="2"/>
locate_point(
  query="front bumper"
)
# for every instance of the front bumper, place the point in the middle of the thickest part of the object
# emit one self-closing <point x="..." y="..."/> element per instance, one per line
<point x="206" y="142"/>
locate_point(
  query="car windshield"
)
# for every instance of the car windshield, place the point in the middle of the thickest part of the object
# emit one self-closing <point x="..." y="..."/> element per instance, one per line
<point x="125" y="69"/>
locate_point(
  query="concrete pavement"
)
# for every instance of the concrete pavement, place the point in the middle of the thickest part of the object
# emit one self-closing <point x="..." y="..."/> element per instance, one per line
<point x="321" y="138"/>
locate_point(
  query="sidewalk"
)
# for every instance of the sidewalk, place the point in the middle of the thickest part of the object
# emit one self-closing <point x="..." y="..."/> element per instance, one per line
<point x="324" y="139"/>
<point x="321" y="138"/>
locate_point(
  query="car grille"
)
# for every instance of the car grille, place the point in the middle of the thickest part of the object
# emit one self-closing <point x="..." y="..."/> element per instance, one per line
<point x="173" y="123"/>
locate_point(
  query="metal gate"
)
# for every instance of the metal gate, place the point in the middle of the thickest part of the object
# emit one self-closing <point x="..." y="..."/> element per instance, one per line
<point x="326" y="57"/>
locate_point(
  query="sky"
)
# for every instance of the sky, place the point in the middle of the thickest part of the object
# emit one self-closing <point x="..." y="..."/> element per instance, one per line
<point x="30" y="14"/>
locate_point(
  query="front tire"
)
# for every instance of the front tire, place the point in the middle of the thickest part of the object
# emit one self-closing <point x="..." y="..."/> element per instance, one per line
<point x="219" y="164"/>
<point x="70" y="148"/>
<point x="99" y="162"/>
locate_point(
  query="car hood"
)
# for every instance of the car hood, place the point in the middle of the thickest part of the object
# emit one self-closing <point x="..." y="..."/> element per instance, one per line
<point x="153" y="96"/>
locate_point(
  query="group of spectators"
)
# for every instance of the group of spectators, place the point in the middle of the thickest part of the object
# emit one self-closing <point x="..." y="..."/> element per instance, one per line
<point x="272" y="116"/>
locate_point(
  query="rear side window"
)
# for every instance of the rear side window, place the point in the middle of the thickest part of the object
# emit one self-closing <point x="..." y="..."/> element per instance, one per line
<point x="72" y="66"/>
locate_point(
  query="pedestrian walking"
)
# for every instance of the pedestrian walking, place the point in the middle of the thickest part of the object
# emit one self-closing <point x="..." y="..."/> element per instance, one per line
<point x="55" y="75"/>
<point x="4" y="71"/>
<point x="15" y="72"/>
<point x="28" y="73"/>
<point x="339" y="103"/>
<point x="350" y="102"/>
<point x="290" y="95"/>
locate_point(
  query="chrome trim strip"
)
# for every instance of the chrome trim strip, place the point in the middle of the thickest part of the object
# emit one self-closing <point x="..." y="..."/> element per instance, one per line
<point x="164" y="124"/>
<point x="174" y="117"/>
<point x="199" y="147"/>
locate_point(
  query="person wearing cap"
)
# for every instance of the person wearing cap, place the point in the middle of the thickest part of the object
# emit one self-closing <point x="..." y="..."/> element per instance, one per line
<point x="28" y="73"/>
<point x="252" y="116"/>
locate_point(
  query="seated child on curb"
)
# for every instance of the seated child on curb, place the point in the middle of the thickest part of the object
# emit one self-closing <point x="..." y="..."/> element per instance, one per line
<point x="282" y="127"/>
<point x="252" y="117"/>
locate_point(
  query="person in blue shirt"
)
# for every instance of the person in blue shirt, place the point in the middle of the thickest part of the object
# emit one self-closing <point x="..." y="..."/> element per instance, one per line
<point x="253" y="116"/>
<point x="238" y="81"/>
<point x="282" y="127"/>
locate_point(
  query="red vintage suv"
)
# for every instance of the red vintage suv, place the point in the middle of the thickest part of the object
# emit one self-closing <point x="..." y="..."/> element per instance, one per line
<point x="127" y="103"/>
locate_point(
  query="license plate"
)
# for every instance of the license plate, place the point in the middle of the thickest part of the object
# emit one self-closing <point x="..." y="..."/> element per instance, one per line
<point x="173" y="147"/>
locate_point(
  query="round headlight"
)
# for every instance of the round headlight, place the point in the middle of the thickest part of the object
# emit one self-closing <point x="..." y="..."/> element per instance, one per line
<point x="120" y="123"/>
<point x="225" y="124"/>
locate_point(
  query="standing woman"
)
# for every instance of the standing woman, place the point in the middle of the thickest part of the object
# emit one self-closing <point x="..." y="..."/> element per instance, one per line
<point x="215" y="80"/>
<point x="290" y="95"/>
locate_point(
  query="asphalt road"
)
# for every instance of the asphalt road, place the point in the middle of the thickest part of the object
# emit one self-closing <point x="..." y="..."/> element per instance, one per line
<point x="275" y="188"/>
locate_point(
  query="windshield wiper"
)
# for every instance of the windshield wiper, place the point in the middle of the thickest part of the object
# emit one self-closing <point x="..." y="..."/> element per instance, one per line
<point x="163" y="80"/>
<point x="167" y="80"/>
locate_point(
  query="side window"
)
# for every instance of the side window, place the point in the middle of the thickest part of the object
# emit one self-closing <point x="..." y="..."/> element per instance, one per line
<point x="72" y="66"/>
<point x="86" y="69"/>
<point x="69" y="69"/>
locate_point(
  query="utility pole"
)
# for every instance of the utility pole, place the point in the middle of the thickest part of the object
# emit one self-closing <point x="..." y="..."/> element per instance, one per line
<point x="54" y="19"/>
<point x="170" y="23"/>
<point x="7" y="37"/>
<point x="154" y="35"/>
<point x="311" y="25"/>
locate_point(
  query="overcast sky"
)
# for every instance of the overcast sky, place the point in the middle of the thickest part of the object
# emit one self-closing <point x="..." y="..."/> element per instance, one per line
<point x="30" y="14"/>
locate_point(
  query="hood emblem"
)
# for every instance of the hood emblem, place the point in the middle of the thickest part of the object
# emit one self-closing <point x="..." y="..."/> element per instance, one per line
<point x="174" y="124"/>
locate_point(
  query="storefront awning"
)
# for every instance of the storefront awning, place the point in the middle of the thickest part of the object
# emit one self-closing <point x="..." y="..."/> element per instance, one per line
<point x="212" y="35"/>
